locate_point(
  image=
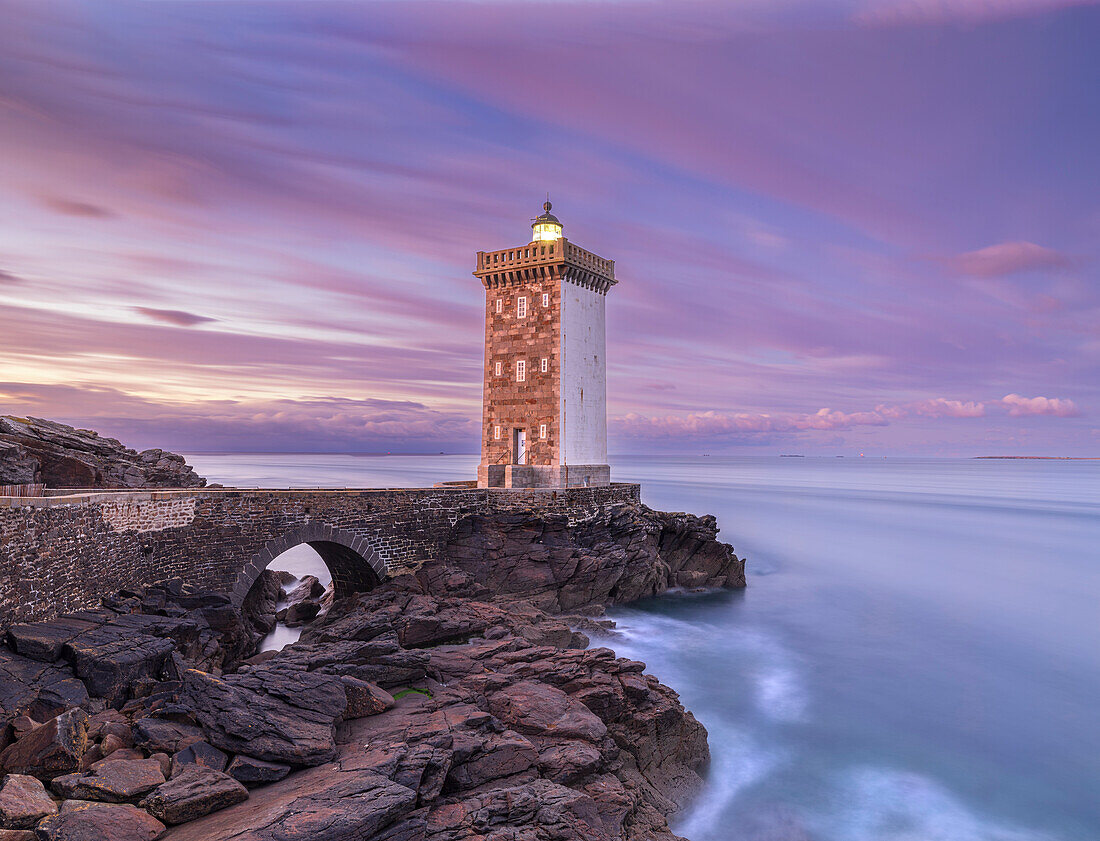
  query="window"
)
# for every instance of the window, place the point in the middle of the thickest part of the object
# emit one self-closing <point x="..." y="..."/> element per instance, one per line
<point x="544" y="365"/>
<point x="527" y="253"/>
<point x="496" y="433"/>
<point x="498" y="369"/>
<point x="500" y="305"/>
<point x="542" y="430"/>
<point x="546" y="299"/>
<point x="521" y="371"/>
<point x="521" y="307"/>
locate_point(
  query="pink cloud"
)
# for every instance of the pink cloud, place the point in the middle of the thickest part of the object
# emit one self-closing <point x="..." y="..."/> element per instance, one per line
<point x="1059" y="407"/>
<point x="1008" y="258"/>
<point x="704" y="424"/>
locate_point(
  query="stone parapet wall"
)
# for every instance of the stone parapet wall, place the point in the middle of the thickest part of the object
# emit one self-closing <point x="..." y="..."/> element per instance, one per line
<point x="63" y="553"/>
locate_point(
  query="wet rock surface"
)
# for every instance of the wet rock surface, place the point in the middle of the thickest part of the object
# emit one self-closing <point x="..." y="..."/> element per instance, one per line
<point x="460" y="703"/>
<point x="34" y="450"/>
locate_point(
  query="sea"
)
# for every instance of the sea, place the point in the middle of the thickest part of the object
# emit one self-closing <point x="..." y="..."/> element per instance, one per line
<point x="916" y="656"/>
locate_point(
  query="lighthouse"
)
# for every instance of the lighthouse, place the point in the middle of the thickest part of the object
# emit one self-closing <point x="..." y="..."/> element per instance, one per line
<point x="544" y="412"/>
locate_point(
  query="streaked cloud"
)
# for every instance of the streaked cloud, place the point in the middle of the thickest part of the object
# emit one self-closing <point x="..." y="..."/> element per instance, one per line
<point x="313" y="179"/>
<point x="1009" y="258"/>
<point x="177" y="317"/>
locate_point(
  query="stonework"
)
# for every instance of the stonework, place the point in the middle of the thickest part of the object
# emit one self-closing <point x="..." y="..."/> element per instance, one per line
<point x="63" y="553"/>
<point x="520" y="328"/>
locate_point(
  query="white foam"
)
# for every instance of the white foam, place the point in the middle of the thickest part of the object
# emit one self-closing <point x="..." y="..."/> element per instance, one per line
<point x="738" y="761"/>
<point x="883" y="804"/>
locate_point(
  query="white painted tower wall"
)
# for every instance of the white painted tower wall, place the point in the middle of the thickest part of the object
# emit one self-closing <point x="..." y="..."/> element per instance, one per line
<point x="583" y="376"/>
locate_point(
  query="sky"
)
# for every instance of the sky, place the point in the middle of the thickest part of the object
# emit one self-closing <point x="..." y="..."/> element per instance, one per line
<point x="839" y="227"/>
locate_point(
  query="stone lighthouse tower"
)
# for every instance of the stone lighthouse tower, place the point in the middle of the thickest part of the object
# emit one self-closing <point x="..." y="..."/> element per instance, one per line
<point x="544" y="417"/>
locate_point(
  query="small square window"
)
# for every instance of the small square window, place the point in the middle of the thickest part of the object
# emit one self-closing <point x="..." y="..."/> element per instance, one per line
<point x="498" y="369"/>
<point x="521" y="307"/>
<point x="544" y="365"/>
<point x="542" y="430"/>
<point x="521" y="371"/>
<point x="546" y="299"/>
<point x="496" y="433"/>
<point x="500" y="305"/>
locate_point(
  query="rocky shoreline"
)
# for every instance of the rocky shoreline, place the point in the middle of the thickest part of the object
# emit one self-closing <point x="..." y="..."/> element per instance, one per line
<point x="463" y="702"/>
<point x="36" y="451"/>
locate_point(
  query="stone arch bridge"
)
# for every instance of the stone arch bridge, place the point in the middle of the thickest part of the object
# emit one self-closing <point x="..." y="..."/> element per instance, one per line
<point x="64" y="551"/>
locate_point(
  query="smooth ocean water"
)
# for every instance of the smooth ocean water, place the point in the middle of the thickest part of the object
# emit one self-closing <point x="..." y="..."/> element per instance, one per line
<point x="916" y="658"/>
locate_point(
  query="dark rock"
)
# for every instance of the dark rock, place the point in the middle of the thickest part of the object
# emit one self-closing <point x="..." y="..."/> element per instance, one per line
<point x="22" y="725"/>
<point x="117" y="781"/>
<point x="35" y="689"/>
<point x="299" y="614"/>
<point x="566" y="762"/>
<point x="158" y="734"/>
<point x="23" y="802"/>
<point x="17" y="835"/>
<point x="308" y="587"/>
<point x="503" y="755"/>
<point x="100" y="822"/>
<point x="625" y="553"/>
<point x="252" y="771"/>
<point x="64" y="457"/>
<point x="45" y="640"/>
<point x="324" y="802"/>
<point x="280" y="715"/>
<point x="199" y="753"/>
<point x="194" y="792"/>
<point x="540" y="709"/>
<point x="364" y="698"/>
<point x="112" y="660"/>
<point x="261" y="602"/>
<point x="48" y="751"/>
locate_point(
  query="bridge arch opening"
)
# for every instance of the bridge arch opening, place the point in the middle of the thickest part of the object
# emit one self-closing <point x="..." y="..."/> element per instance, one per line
<point x="352" y="561"/>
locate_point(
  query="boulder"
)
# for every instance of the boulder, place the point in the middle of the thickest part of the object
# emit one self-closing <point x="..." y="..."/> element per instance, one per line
<point x="252" y="771"/>
<point x="279" y="715"/>
<point x="364" y="698"/>
<point x="194" y="792"/>
<point x="24" y="802"/>
<point x="117" y="781"/>
<point x="112" y="660"/>
<point x="161" y="735"/>
<point x="324" y="802"/>
<point x="100" y="822"/>
<point x="262" y="601"/>
<point x="51" y="750"/>
<point x="45" y="640"/>
<point x="536" y="708"/>
<point x="199" y="753"/>
<point x="35" y="689"/>
<point x="566" y="762"/>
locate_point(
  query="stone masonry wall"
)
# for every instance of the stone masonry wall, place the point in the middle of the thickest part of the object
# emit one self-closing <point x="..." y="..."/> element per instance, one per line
<point x="511" y="404"/>
<point x="63" y="553"/>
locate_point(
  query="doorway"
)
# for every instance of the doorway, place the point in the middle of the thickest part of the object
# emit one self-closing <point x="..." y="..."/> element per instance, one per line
<point x="519" y="445"/>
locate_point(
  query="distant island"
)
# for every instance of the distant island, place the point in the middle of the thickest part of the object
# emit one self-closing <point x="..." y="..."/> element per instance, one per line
<point x="1047" y="458"/>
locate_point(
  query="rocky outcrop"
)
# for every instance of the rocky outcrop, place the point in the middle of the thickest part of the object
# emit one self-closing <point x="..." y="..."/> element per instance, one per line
<point x="626" y="553"/>
<point x="33" y="450"/>
<point x="458" y="704"/>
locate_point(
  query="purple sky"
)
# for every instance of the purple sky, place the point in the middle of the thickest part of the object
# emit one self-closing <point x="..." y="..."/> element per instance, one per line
<point x="839" y="226"/>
